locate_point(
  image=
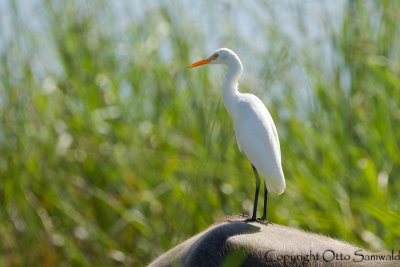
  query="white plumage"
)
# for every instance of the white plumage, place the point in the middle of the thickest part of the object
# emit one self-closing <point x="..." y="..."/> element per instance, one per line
<point x="257" y="137"/>
<point x="254" y="128"/>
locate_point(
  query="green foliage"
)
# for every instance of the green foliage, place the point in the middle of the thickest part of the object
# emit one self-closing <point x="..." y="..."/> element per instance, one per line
<point x="112" y="152"/>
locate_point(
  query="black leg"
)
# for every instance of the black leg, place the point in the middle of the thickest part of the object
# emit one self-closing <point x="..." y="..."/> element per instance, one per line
<point x="264" y="216"/>
<point x="254" y="217"/>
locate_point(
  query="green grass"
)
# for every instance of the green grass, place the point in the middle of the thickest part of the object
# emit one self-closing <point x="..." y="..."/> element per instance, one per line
<point x="112" y="152"/>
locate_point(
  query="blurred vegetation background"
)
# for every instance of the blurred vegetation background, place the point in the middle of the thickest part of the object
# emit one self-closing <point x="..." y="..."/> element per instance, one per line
<point x="112" y="152"/>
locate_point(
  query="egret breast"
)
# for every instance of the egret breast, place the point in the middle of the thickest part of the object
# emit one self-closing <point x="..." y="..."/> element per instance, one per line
<point x="256" y="136"/>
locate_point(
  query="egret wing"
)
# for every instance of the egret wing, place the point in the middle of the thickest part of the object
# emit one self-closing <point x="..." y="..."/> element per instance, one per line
<point x="257" y="137"/>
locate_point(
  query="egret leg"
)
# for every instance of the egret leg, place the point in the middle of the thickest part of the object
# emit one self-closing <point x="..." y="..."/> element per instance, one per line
<point x="254" y="217"/>
<point x="264" y="216"/>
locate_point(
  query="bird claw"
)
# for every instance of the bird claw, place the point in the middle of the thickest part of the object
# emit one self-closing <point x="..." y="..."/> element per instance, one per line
<point x="259" y="220"/>
<point x="250" y="220"/>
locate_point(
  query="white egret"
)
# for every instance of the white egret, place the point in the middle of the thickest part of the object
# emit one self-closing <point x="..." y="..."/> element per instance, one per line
<point x="254" y="128"/>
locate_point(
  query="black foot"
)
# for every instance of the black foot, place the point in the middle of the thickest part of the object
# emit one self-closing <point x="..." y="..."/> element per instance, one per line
<point x="259" y="220"/>
<point x="250" y="219"/>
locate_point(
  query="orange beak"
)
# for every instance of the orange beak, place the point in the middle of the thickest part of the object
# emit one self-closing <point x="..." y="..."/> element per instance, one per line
<point x="202" y="62"/>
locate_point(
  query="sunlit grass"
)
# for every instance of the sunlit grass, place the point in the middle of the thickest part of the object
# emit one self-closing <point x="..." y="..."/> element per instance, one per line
<point x="112" y="152"/>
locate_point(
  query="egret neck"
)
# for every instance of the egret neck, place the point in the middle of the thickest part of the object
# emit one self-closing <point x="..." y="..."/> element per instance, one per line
<point x="230" y="93"/>
<point x="254" y="128"/>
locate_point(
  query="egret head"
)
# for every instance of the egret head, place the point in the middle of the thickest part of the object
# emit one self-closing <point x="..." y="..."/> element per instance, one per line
<point x="220" y="56"/>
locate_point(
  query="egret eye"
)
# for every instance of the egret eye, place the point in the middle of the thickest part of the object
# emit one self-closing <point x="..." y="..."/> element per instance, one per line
<point x="255" y="130"/>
